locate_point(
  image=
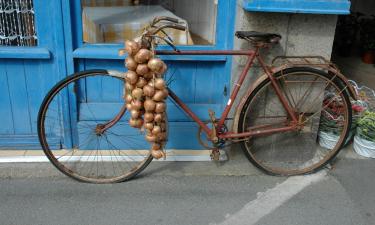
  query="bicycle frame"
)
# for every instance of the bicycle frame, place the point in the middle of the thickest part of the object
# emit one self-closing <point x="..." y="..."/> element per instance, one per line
<point x="251" y="56"/>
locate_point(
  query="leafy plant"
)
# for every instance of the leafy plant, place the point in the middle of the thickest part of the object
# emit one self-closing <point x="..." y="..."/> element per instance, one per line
<point x="366" y="126"/>
<point x="331" y="120"/>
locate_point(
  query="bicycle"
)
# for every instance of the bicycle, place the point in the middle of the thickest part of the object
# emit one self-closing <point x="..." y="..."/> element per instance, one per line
<point x="277" y="121"/>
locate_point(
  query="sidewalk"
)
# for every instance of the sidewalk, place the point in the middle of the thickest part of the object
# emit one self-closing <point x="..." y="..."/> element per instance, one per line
<point x="192" y="193"/>
<point x="238" y="165"/>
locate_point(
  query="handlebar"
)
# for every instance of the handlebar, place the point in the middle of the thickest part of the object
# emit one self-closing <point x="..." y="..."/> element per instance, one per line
<point x="171" y="25"/>
<point x="160" y="18"/>
<point x="151" y="31"/>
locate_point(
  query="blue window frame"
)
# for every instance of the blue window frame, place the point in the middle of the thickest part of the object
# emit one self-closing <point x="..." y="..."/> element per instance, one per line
<point x="223" y="37"/>
<point x="299" y="6"/>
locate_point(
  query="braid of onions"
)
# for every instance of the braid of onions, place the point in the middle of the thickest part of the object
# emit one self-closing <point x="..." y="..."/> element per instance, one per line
<point x="145" y="95"/>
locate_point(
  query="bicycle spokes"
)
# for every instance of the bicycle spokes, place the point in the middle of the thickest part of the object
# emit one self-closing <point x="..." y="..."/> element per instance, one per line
<point x="312" y="96"/>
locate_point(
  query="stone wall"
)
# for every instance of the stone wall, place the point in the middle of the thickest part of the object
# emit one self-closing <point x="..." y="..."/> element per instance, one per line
<point x="302" y="34"/>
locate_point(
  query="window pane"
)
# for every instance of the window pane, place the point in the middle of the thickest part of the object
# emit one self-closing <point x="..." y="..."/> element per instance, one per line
<point x="113" y="21"/>
<point x="17" y="26"/>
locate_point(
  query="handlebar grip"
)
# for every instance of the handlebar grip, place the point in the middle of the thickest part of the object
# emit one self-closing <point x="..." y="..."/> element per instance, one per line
<point x="178" y="27"/>
<point x="160" y="18"/>
<point x="171" y="19"/>
<point x="173" y="26"/>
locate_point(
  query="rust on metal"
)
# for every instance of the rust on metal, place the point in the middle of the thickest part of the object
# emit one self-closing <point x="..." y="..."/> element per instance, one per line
<point x="280" y="63"/>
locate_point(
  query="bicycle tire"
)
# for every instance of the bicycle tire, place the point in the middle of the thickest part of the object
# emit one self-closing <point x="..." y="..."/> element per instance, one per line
<point x="58" y="88"/>
<point x="317" y="166"/>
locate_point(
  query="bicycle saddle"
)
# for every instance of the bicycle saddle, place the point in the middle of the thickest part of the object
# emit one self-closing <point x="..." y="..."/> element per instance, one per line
<point x="258" y="36"/>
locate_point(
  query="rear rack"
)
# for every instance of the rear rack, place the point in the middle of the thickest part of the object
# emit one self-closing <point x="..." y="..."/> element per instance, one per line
<point x="314" y="61"/>
<point x="280" y="63"/>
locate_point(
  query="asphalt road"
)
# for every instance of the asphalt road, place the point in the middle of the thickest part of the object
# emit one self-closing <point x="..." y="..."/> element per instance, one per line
<point x="343" y="195"/>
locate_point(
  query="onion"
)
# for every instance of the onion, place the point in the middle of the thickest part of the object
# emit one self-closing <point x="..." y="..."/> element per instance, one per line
<point x="136" y="105"/>
<point x="151" y="138"/>
<point x="128" y="98"/>
<point x="149" y="75"/>
<point x="163" y="126"/>
<point x="131" y="64"/>
<point x="141" y="82"/>
<point x="148" y="126"/>
<point x="155" y="147"/>
<point x="162" y="136"/>
<point x="142" y="69"/>
<point x="156" y="130"/>
<point x="131" y="77"/>
<point x="135" y="114"/>
<point x="160" y="107"/>
<point x="132" y="47"/>
<point x="159" y="83"/>
<point x="162" y="70"/>
<point x="137" y="93"/>
<point x="139" y="123"/>
<point x="135" y="122"/>
<point x="149" y="105"/>
<point x="157" y="154"/>
<point x="143" y="56"/>
<point x="129" y="106"/>
<point x="166" y="93"/>
<point x="158" y="117"/>
<point x="121" y="52"/>
<point x="148" y="90"/>
<point x="149" y="117"/>
<point x="155" y="64"/>
<point x="129" y="86"/>
<point x="151" y="83"/>
<point x="159" y="96"/>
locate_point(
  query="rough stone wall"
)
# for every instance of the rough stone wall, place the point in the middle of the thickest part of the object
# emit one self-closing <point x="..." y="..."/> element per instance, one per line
<point x="302" y="34"/>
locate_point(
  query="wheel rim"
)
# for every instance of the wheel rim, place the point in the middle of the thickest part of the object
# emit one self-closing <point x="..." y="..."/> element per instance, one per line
<point x="84" y="151"/>
<point x="304" y="150"/>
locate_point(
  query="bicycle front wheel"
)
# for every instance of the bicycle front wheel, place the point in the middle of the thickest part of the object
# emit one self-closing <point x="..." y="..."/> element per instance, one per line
<point x="70" y="129"/>
<point x="320" y="102"/>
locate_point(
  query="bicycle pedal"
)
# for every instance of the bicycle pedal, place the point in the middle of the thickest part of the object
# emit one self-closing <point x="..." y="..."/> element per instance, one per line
<point x="218" y="155"/>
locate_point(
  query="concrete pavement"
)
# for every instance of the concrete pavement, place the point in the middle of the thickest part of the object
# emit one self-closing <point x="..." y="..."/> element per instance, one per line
<point x="192" y="193"/>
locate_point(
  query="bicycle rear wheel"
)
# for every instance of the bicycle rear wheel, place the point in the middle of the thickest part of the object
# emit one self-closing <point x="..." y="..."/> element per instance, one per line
<point x="321" y="103"/>
<point x="69" y="128"/>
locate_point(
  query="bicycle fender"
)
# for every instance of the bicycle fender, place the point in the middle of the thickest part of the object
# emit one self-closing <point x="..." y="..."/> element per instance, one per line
<point x="242" y="102"/>
<point x="352" y="93"/>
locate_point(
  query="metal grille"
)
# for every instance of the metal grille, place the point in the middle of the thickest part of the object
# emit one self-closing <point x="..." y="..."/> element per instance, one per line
<point x="17" y="26"/>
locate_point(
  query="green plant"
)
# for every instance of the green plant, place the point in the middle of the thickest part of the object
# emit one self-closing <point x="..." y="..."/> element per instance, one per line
<point x="366" y="126"/>
<point x="331" y="120"/>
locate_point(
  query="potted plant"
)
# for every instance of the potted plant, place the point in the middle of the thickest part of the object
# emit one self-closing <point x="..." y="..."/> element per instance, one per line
<point x="331" y="124"/>
<point x="368" y="55"/>
<point x="364" y="140"/>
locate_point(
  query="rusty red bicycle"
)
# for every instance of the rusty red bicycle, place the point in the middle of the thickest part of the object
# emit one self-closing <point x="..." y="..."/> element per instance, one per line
<point x="278" y="120"/>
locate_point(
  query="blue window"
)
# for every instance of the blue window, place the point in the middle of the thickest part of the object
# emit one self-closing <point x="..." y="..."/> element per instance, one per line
<point x="299" y="6"/>
<point x="209" y="26"/>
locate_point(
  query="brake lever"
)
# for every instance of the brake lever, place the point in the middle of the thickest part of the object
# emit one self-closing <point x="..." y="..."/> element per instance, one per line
<point x="168" y="42"/>
<point x="168" y="37"/>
